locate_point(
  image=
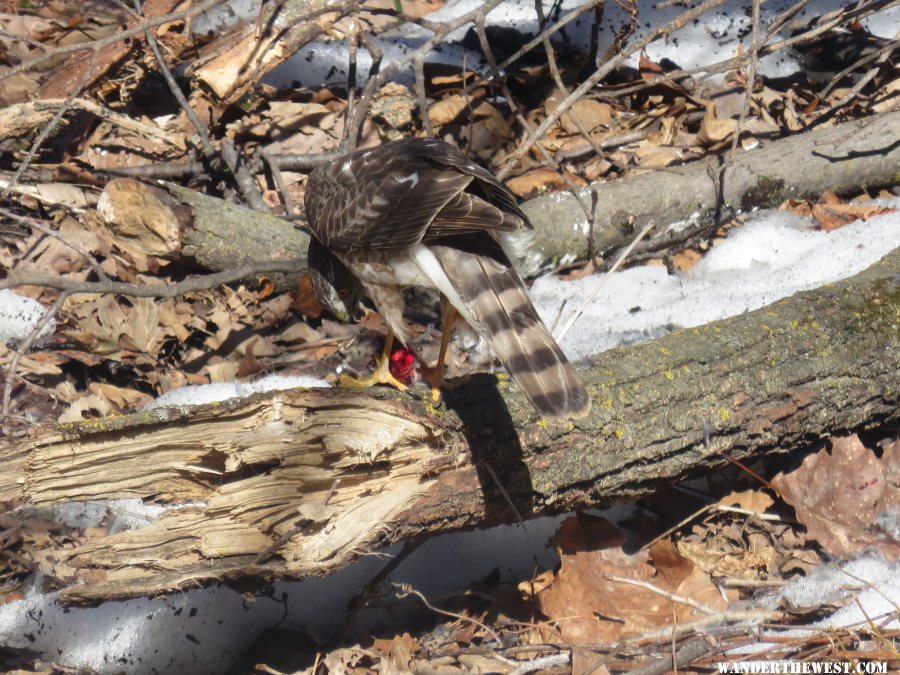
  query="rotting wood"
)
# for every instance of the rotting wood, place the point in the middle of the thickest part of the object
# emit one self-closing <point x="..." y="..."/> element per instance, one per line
<point x="257" y="472"/>
<point x="218" y="236"/>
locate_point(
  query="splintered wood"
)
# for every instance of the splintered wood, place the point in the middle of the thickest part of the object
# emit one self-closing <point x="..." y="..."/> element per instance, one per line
<point x="314" y="478"/>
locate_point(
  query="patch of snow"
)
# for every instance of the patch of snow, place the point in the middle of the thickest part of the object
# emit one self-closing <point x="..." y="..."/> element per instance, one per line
<point x="715" y="36"/>
<point x="207" y="630"/>
<point x="865" y="588"/>
<point x="18" y="317"/>
<point x="773" y="255"/>
<point x="222" y="391"/>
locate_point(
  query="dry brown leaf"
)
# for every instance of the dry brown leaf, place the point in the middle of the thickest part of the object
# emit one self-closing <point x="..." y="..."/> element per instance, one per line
<point x="686" y="260"/>
<point x="714" y="130"/>
<point x="838" y="495"/>
<point x="394" y="105"/>
<point x="657" y="156"/>
<point x="832" y="216"/>
<point x="587" y="112"/>
<point x="669" y="563"/>
<point x="120" y="398"/>
<point x="590" y="607"/>
<point x="752" y="500"/>
<point x="699" y="587"/>
<point x="447" y="109"/>
<point x="537" y="182"/>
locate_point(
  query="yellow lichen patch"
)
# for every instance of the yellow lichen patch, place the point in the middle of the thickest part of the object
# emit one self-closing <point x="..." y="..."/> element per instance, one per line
<point x="766" y="328"/>
<point x="620" y="433"/>
<point x="542" y="423"/>
<point x="669" y="375"/>
<point x="724" y="415"/>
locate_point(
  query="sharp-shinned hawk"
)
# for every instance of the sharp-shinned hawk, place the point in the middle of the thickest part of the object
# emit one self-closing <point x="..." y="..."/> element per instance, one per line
<point x="417" y="212"/>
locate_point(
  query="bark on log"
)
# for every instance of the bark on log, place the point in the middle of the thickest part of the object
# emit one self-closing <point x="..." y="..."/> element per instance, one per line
<point x="312" y="479"/>
<point x="220" y="236"/>
<point x="864" y="153"/>
<point x="171" y="222"/>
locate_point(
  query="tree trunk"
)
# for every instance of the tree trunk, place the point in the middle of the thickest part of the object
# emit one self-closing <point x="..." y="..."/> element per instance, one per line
<point x="296" y="483"/>
<point x="177" y="223"/>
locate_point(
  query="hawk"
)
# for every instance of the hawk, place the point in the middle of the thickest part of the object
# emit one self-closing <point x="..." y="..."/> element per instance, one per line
<point x="417" y="212"/>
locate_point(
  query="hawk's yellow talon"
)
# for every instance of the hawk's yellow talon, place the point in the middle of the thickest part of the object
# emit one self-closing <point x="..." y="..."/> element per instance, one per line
<point x="382" y="374"/>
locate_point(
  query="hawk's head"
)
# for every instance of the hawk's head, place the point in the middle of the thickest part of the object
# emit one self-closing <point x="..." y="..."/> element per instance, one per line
<point x="336" y="288"/>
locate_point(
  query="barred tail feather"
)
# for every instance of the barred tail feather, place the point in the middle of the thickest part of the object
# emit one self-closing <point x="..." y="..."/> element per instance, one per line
<point x="497" y="305"/>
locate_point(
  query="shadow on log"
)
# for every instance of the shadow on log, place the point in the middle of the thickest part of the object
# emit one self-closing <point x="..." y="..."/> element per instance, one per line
<point x="297" y="483"/>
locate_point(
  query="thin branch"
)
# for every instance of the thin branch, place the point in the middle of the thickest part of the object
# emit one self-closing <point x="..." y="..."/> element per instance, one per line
<point x="621" y="259"/>
<point x="440" y="31"/>
<point x="405" y="590"/>
<point x="748" y="87"/>
<point x="279" y="181"/>
<point x="683" y="600"/>
<point x="189" y="285"/>
<point x="826" y="23"/>
<point x="238" y="169"/>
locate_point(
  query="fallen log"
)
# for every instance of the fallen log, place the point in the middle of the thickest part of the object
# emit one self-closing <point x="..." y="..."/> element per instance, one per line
<point x="172" y="222"/>
<point x="299" y="483"/>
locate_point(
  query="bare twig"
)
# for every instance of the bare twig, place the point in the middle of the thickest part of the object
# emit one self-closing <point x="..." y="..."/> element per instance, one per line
<point x="405" y="590"/>
<point x="419" y="67"/>
<point x="748" y="87"/>
<point x="598" y="75"/>
<point x="189" y="285"/>
<point x="683" y="600"/>
<point x="355" y="123"/>
<point x="279" y="181"/>
<point x="238" y="169"/>
<point x="621" y="259"/>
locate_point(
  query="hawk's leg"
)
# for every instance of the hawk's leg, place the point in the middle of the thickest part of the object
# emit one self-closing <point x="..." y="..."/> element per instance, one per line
<point x="435" y="376"/>
<point x="382" y="374"/>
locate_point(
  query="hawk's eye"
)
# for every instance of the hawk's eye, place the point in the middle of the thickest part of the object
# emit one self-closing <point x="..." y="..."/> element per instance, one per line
<point x="343" y="293"/>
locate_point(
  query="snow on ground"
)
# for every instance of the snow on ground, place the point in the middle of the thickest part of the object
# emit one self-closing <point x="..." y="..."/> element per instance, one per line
<point x="19" y="315"/>
<point x="865" y="589"/>
<point x="221" y="391"/>
<point x="207" y="630"/>
<point x="774" y="255"/>
<point x="713" y="37"/>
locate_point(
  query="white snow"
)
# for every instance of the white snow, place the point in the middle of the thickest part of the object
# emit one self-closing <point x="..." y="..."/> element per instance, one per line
<point x="18" y="317"/>
<point x="774" y="255"/>
<point x="715" y="36"/>
<point x="865" y="588"/>
<point x="206" y="630"/>
<point x="222" y="391"/>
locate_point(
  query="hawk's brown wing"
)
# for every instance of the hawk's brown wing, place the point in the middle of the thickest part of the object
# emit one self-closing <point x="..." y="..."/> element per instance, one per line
<point x="396" y="195"/>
